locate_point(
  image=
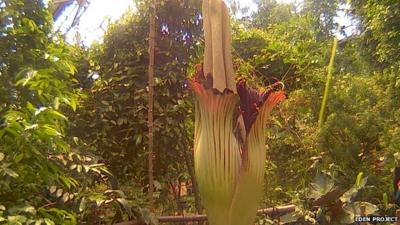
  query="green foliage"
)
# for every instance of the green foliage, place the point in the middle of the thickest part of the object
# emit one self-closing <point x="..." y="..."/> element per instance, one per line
<point x="361" y="115"/>
<point x="337" y="206"/>
<point x="288" y="52"/>
<point x="381" y="17"/>
<point x="43" y="174"/>
<point x="324" y="11"/>
<point x="271" y="12"/>
<point x="114" y="117"/>
<point x="63" y="131"/>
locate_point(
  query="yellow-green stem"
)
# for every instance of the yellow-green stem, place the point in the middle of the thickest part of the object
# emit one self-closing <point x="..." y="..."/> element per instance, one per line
<point x="327" y="84"/>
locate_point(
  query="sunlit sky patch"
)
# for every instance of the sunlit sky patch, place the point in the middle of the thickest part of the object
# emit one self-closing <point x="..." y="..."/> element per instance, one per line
<point x="93" y="23"/>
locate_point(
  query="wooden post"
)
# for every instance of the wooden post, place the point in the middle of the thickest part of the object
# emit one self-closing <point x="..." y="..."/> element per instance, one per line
<point x="398" y="217"/>
<point x="150" y="123"/>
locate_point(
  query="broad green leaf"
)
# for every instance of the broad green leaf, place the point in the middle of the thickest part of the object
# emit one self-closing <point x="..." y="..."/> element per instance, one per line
<point x="397" y="156"/>
<point x="82" y="205"/>
<point x="76" y="140"/>
<point x="49" y="221"/>
<point x="18" y="158"/>
<point x="352" y="192"/>
<point x="31" y="127"/>
<point x="99" y="202"/>
<point x="59" y="192"/>
<point x="57" y="114"/>
<point x="17" y="219"/>
<point x="355" y="208"/>
<point x="120" y="193"/>
<point x="79" y="168"/>
<point x="86" y="168"/>
<point x="157" y="185"/>
<point x="49" y="130"/>
<point x="73" y="104"/>
<point x="322" y="184"/>
<point x="29" y="209"/>
<point x="53" y="189"/>
<point x="65" y="197"/>
<point x="30" y="74"/>
<point x="40" y="110"/>
<point x="39" y="222"/>
<point x="138" y="139"/>
<point x="359" y="179"/>
<point x="68" y="181"/>
<point x="10" y="172"/>
<point x="56" y="103"/>
<point x="73" y="166"/>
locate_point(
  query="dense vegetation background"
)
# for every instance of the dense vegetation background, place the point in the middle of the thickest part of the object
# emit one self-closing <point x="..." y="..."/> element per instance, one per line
<point x="73" y="132"/>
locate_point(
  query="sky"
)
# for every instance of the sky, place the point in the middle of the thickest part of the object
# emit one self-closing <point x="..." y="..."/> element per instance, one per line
<point x="94" y="21"/>
<point x="93" y="24"/>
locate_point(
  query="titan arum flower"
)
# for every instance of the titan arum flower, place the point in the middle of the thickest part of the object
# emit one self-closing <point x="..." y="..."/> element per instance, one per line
<point x="229" y="145"/>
